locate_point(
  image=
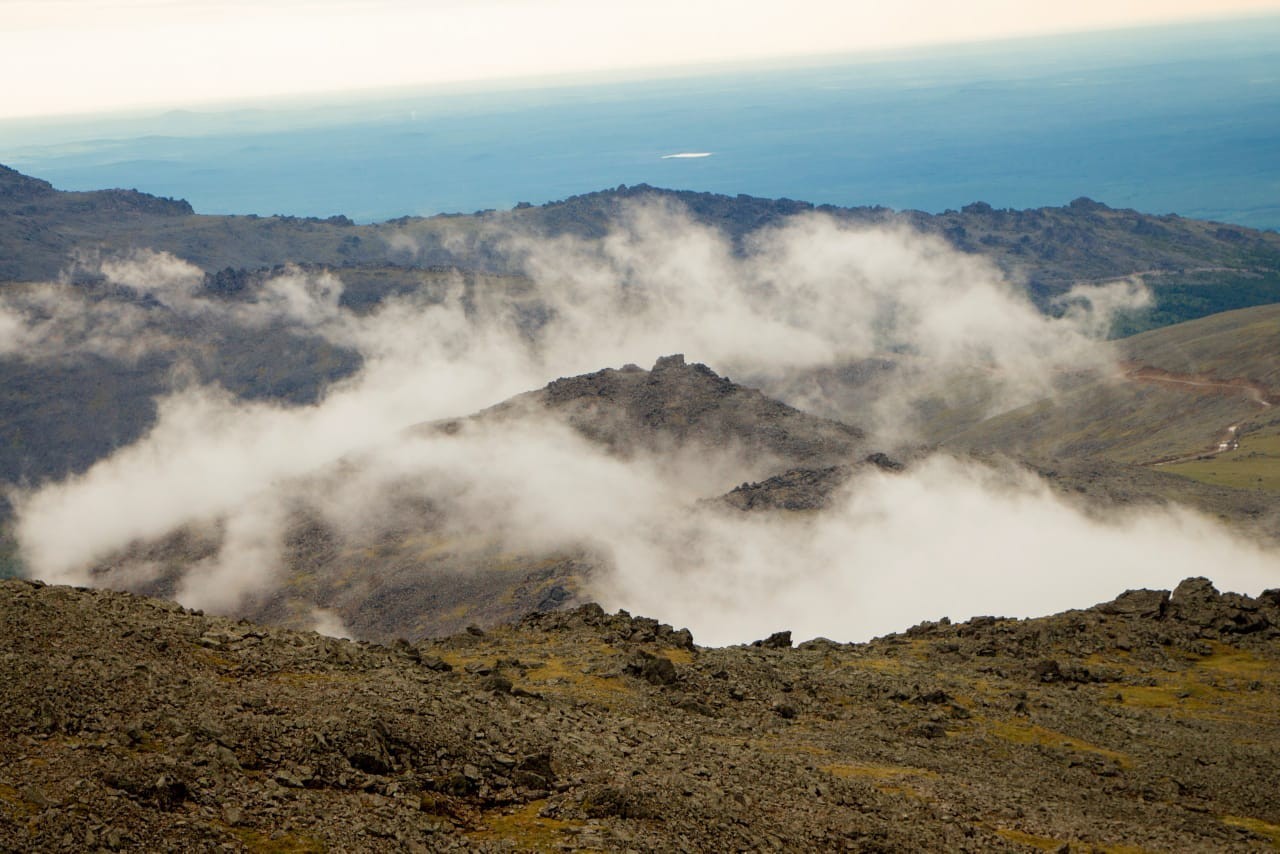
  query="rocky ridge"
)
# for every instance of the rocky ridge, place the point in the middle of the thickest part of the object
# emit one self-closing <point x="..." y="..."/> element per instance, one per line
<point x="1145" y="723"/>
<point x="677" y="403"/>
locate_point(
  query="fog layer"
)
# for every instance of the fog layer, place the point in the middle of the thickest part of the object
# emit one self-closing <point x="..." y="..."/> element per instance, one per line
<point x="944" y="538"/>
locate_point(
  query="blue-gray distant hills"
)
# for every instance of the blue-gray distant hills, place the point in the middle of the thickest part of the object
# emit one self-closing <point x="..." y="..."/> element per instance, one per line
<point x="1196" y="268"/>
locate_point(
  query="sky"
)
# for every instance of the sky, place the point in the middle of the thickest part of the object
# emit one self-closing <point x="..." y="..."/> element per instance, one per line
<point x="89" y="56"/>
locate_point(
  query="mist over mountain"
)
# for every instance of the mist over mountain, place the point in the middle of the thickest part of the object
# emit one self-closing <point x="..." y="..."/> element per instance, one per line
<point x="260" y="455"/>
<point x="909" y="481"/>
<point x="64" y="238"/>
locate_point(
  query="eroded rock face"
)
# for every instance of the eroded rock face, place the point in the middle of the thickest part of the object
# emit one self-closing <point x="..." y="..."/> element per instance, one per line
<point x="132" y="724"/>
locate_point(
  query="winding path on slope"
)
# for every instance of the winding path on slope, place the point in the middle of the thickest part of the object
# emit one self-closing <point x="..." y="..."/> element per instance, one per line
<point x="1229" y="440"/>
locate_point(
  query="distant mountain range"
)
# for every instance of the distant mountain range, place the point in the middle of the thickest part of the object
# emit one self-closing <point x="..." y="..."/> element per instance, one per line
<point x="1196" y="268"/>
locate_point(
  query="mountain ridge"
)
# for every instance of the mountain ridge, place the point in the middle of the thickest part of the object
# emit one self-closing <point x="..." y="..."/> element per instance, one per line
<point x="1201" y="267"/>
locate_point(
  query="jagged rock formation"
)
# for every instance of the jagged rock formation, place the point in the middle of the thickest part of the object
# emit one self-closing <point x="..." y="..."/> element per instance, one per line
<point x="679" y="404"/>
<point x="1146" y="723"/>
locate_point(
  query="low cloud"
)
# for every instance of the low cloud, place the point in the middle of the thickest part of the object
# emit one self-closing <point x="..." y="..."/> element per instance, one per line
<point x="248" y="562"/>
<point x="812" y="295"/>
<point x="167" y="279"/>
<point x="949" y="538"/>
<point x="40" y="322"/>
<point x="1092" y="308"/>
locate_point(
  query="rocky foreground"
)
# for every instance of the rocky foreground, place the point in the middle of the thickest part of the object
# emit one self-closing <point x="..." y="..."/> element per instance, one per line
<point x="1150" y="723"/>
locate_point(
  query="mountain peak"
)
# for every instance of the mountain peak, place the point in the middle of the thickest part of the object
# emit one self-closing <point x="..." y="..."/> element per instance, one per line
<point x="690" y="403"/>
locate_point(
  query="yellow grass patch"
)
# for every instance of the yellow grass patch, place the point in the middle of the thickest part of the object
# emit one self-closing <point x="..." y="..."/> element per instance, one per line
<point x="525" y="829"/>
<point x="1258" y="826"/>
<point x="19" y="804"/>
<point x="1233" y="661"/>
<point x="262" y="843"/>
<point x="208" y="657"/>
<point x="1188" y="697"/>
<point x="1020" y="732"/>
<point x="559" y="675"/>
<point x="853" y="771"/>
<point x="1211" y="687"/>
<point x="677" y="656"/>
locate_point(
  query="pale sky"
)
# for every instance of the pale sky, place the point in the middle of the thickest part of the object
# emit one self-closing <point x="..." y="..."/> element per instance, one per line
<point x="77" y="56"/>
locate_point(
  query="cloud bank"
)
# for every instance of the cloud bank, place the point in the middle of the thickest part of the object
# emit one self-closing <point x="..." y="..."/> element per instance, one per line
<point x="946" y="538"/>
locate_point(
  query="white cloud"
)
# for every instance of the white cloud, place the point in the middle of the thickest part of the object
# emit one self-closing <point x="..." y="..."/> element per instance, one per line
<point x="945" y="538"/>
<point x="170" y="280"/>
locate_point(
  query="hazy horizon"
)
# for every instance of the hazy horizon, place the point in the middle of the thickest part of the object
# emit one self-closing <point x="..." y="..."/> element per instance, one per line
<point x="1174" y="119"/>
<point x="166" y="54"/>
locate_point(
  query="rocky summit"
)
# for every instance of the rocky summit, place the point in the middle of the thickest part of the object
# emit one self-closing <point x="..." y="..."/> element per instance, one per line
<point x="1148" y="723"/>
<point x="677" y="404"/>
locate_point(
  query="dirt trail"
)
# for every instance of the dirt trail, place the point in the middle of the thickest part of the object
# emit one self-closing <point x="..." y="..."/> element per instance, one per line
<point x="1229" y="440"/>
<point x="1254" y="391"/>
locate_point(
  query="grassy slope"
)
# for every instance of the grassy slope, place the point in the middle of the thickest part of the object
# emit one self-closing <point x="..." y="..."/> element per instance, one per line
<point x="1254" y="465"/>
<point x="1138" y="421"/>
<point x="1231" y="344"/>
<point x="1123" y="423"/>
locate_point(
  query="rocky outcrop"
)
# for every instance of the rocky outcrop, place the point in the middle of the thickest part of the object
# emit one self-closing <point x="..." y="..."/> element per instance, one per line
<point x="797" y="489"/>
<point x="803" y="489"/>
<point x="1196" y="602"/>
<point x="631" y="409"/>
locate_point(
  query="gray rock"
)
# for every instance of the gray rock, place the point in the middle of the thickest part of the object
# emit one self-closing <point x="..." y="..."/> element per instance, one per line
<point x="1136" y="603"/>
<point x="777" y="640"/>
